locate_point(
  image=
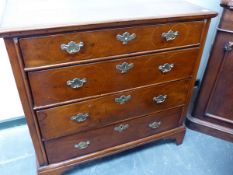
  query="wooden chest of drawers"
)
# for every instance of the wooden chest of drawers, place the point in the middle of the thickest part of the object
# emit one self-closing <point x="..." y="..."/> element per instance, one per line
<point x="107" y="81"/>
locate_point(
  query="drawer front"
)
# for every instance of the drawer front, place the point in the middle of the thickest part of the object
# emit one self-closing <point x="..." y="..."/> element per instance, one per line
<point x="113" y="135"/>
<point x="110" y="76"/>
<point x="80" y="46"/>
<point x="95" y="113"/>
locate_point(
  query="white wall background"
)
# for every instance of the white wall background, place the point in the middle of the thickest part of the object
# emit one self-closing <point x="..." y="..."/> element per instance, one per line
<point x="10" y="106"/>
<point x="9" y="99"/>
<point x="212" y="5"/>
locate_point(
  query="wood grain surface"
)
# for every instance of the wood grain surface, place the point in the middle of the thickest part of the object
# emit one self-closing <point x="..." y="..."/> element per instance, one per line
<point x="33" y="33"/>
<point x="104" y="111"/>
<point x="63" y="149"/>
<point x="46" y="50"/>
<point x="49" y="86"/>
<point x="41" y="17"/>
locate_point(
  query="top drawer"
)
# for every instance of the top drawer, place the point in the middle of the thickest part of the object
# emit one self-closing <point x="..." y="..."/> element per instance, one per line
<point x="61" y="48"/>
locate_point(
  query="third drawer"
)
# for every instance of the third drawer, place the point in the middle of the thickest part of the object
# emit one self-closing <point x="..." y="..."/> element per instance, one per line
<point x="99" y="112"/>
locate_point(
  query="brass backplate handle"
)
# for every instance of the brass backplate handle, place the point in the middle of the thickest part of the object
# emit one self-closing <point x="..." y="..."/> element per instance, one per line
<point x="122" y="99"/>
<point x="155" y="125"/>
<point x="170" y="35"/>
<point x="124" y="67"/>
<point x="160" y="99"/>
<point x="82" y="145"/>
<point x="121" y="128"/>
<point x="72" y="47"/>
<point x="81" y="117"/>
<point x="228" y="46"/>
<point x="76" y="82"/>
<point x="126" y="37"/>
<point x="166" y="67"/>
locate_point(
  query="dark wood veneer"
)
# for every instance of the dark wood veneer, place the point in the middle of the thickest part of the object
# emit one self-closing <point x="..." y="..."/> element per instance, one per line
<point x="25" y="97"/>
<point x="107" y="137"/>
<point x="41" y="70"/>
<point x="212" y="112"/>
<point x="103" y="77"/>
<point x="105" y="110"/>
<point x="50" y="19"/>
<point x="176" y="134"/>
<point x="45" y="50"/>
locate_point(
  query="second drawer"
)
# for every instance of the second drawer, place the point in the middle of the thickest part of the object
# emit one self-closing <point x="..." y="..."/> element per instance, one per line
<point x="95" y="113"/>
<point x="76" y="82"/>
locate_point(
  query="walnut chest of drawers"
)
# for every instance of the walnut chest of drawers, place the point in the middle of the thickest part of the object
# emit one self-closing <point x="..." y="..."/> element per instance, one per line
<point x="99" y="79"/>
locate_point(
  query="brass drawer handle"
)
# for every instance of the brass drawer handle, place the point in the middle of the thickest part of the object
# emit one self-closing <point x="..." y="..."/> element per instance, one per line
<point x="81" y="117"/>
<point x="126" y="37"/>
<point x="76" y="82"/>
<point x="166" y="67"/>
<point x="170" y="35"/>
<point x="122" y="99"/>
<point x="72" y="47"/>
<point x="160" y="99"/>
<point x="155" y="125"/>
<point x="121" y="128"/>
<point x="82" y="144"/>
<point x="228" y="46"/>
<point x="124" y="67"/>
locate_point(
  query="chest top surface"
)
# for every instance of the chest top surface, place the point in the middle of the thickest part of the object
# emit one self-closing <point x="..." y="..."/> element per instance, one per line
<point x="23" y="17"/>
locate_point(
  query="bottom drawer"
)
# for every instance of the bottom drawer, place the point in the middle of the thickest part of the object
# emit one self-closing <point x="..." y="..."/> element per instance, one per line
<point x="99" y="139"/>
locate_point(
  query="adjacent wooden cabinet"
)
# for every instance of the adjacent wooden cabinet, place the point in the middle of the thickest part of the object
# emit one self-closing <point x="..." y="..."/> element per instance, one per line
<point x="213" y="110"/>
<point x="99" y="79"/>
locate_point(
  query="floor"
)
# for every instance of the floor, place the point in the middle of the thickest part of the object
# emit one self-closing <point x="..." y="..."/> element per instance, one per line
<point x="198" y="155"/>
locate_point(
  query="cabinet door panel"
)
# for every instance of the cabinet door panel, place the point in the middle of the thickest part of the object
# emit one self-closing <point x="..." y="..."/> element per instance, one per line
<point x="220" y="104"/>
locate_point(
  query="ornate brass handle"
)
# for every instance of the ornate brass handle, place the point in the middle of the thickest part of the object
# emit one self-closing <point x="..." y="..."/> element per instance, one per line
<point x="121" y="128"/>
<point x="122" y="99"/>
<point x="76" y="82"/>
<point x="126" y="37"/>
<point x="166" y="67"/>
<point x="160" y="99"/>
<point x="82" y="144"/>
<point x="155" y="125"/>
<point x="228" y="46"/>
<point x="124" y="67"/>
<point x="72" y="47"/>
<point x="81" y="117"/>
<point x="170" y="35"/>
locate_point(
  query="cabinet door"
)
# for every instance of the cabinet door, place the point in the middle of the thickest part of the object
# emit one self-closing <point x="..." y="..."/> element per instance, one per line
<point x="220" y="103"/>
